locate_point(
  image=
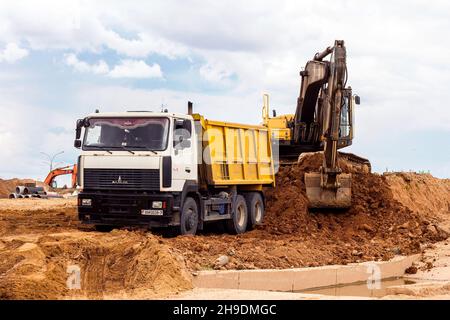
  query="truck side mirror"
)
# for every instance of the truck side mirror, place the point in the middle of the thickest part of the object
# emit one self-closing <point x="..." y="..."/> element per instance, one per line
<point x="357" y="99"/>
<point x="77" y="143"/>
<point x="80" y="124"/>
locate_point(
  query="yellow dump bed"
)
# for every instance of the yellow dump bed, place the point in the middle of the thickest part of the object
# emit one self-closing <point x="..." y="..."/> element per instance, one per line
<point x="235" y="154"/>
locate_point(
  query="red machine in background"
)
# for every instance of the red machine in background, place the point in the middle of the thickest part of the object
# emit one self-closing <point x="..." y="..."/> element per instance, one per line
<point x="72" y="169"/>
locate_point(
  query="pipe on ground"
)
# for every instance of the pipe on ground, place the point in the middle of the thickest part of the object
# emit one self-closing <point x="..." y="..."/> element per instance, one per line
<point x="20" y="189"/>
<point x="31" y="190"/>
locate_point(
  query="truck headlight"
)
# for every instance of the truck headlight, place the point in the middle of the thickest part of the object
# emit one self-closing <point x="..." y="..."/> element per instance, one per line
<point x="157" y="204"/>
<point x="86" y="202"/>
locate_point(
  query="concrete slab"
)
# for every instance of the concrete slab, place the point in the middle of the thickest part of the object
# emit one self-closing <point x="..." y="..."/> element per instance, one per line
<point x="303" y="278"/>
<point x="352" y="273"/>
<point x="275" y="280"/>
<point x="397" y="266"/>
<point x="217" y="279"/>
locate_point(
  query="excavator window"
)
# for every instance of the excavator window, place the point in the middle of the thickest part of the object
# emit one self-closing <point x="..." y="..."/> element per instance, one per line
<point x="344" y="129"/>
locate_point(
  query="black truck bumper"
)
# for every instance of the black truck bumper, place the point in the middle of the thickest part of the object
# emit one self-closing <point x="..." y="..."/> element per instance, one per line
<point x="126" y="209"/>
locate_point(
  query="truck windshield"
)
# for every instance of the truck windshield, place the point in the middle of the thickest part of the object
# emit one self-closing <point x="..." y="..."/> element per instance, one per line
<point x="127" y="133"/>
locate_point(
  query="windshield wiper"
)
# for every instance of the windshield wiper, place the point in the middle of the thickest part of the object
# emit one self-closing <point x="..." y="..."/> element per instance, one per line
<point x="125" y="148"/>
<point x="103" y="148"/>
<point x="144" y="147"/>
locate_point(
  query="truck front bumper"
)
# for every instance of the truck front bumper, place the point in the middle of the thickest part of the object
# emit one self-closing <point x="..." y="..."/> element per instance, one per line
<point x="126" y="209"/>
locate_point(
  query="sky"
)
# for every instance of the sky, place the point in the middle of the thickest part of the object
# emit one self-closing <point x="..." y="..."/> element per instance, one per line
<point x="60" y="60"/>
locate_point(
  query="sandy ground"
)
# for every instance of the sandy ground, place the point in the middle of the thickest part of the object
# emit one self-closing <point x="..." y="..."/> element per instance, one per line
<point x="431" y="281"/>
<point x="41" y="238"/>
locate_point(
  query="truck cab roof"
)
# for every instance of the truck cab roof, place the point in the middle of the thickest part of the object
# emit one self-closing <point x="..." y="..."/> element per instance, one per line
<point x="138" y="114"/>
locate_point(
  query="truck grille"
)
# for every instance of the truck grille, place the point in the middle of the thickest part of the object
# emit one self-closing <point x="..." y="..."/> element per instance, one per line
<point x="122" y="179"/>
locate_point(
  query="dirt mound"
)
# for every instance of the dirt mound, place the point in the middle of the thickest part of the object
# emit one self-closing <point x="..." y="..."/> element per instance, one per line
<point x="421" y="193"/>
<point x="120" y="264"/>
<point x="376" y="211"/>
<point x="39" y="239"/>
<point x="377" y="227"/>
<point x="37" y="216"/>
<point x="9" y="186"/>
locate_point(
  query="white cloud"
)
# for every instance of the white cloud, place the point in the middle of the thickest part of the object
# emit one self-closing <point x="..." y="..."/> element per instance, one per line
<point x="81" y="66"/>
<point x="24" y="134"/>
<point x="143" y="45"/>
<point x="12" y="53"/>
<point x="396" y="58"/>
<point x="215" y="72"/>
<point x="135" y="69"/>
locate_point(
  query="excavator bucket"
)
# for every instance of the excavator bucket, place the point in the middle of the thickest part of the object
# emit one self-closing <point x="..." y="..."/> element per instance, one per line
<point x="328" y="198"/>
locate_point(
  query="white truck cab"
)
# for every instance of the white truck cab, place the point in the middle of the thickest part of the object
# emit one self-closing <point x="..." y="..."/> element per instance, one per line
<point x="146" y="168"/>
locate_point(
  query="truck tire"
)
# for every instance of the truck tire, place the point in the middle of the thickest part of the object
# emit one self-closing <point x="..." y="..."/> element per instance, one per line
<point x="255" y="206"/>
<point x="189" y="217"/>
<point x="239" y="217"/>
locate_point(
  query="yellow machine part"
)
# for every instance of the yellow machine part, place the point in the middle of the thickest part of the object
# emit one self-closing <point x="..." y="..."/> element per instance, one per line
<point x="278" y="127"/>
<point x="236" y="154"/>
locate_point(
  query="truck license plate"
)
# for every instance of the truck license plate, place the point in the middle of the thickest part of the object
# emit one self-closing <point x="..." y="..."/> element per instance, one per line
<point x="150" y="212"/>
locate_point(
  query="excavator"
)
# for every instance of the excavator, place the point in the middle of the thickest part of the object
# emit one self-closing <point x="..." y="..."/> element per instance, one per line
<point x="323" y="121"/>
<point x="72" y="170"/>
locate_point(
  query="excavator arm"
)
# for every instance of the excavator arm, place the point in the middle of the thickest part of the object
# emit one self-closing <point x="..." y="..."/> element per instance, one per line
<point x="72" y="170"/>
<point x="330" y="188"/>
<point x="323" y="121"/>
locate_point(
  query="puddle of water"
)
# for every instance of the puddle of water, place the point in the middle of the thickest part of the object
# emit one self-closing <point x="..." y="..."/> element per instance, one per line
<point x="360" y="289"/>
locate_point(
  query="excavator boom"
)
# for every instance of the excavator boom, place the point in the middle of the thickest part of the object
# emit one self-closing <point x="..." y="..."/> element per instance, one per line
<point x="323" y="121"/>
<point x="330" y="188"/>
<point x="72" y="170"/>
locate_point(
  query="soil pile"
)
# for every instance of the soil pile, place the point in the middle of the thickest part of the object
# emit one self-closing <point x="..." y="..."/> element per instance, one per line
<point x="39" y="238"/>
<point x="119" y="264"/>
<point x="9" y="186"/>
<point x="376" y="211"/>
<point x="25" y="216"/>
<point x="422" y="193"/>
<point x="377" y="227"/>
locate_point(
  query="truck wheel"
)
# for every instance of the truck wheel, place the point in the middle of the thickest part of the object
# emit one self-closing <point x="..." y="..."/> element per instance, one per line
<point x="103" y="228"/>
<point x="238" y="222"/>
<point x="255" y="205"/>
<point x="189" y="217"/>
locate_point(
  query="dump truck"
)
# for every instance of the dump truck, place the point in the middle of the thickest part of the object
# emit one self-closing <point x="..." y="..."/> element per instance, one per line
<point x="323" y="121"/>
<point x="181" y="171"/>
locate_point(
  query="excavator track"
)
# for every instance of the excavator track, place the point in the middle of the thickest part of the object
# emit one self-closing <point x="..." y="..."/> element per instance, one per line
<point x="359" y="163"/>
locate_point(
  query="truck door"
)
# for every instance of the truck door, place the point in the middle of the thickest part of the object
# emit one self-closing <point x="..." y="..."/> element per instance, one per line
<point x="184" y="157"/>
